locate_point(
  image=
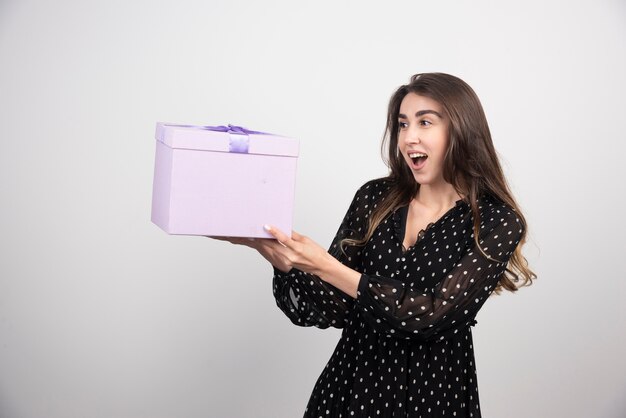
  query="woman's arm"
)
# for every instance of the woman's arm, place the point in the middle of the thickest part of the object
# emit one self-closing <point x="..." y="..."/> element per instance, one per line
<point x="306" y="298"/>
<point x="396" y="310"/>
<point x="306" y="255"/>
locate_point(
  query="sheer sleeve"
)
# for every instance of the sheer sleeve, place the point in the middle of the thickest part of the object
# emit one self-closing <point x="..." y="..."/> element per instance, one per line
<point x="305" y="298"/>
<point x="396" y="310"/>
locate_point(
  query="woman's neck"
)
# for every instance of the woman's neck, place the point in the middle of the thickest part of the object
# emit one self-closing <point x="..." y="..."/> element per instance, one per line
<point x="438" y="198"/>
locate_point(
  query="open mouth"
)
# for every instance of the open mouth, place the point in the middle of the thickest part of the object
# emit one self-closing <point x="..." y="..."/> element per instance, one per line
<point x="418" y="159"/>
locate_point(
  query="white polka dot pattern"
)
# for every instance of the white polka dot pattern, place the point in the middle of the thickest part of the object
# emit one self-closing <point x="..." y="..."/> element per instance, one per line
<point x="406" y="347"/>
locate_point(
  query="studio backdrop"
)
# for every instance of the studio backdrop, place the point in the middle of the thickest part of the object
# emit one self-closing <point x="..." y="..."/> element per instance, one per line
<point x="104" y="315"/>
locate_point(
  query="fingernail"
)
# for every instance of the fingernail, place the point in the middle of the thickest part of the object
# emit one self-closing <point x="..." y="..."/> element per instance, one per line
<point x="267" y="228"/>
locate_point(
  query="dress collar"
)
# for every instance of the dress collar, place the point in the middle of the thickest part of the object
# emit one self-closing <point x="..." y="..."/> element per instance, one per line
<point x="399" y="218"/>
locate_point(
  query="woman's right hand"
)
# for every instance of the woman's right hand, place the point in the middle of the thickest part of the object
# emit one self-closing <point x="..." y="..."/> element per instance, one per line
<point x="272" y="250"/>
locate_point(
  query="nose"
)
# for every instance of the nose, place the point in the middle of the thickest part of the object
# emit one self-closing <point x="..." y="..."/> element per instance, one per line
<point x="412" y="135"/>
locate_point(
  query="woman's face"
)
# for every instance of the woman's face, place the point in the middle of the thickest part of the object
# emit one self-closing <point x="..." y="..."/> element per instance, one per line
<point x="423" y="130"/>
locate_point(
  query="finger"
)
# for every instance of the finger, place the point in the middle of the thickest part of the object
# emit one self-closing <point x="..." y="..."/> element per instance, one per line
<point x="279" y="235"/>
<point x="233" y="240"/>
<point x="296" y="236"/>
<point x="220" y="238"/>
<point x="269" y="244"/>
<point x="274" y="251"/>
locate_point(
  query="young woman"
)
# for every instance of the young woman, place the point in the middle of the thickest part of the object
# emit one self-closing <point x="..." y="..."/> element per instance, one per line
<point x="416" y="256"/>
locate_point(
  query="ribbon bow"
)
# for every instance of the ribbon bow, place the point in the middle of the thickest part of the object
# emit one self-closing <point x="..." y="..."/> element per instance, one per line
<point x="239" y="141"/>
<point x="232" y="129"/>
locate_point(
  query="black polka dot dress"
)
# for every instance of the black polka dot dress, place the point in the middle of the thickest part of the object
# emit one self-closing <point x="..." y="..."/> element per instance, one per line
<point x="406" y="347"/>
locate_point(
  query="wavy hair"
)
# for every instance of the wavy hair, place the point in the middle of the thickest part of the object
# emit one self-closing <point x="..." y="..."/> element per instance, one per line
<point x="470" y="164"/>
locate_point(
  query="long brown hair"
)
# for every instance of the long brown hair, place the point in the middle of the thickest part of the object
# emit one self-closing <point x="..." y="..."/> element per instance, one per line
<point x="470" y="164"/>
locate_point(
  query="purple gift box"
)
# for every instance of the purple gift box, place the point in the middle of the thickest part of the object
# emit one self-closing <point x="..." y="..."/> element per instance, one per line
<point x="222" y="180"/>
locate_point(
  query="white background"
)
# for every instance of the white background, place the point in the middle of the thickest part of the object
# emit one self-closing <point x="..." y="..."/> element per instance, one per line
<point x="102" y="314"/>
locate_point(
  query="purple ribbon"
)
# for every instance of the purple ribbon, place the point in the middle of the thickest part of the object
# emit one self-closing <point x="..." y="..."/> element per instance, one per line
<point x="239" y="141"/>
<point x="233" y="129"/>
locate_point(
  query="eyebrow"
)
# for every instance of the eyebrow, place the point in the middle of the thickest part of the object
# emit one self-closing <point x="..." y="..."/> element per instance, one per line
<point x="420" y="113"/>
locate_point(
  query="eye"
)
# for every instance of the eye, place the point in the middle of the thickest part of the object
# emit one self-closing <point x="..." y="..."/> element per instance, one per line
<point x="423" y="122"/>
<point x="402" y="125"/>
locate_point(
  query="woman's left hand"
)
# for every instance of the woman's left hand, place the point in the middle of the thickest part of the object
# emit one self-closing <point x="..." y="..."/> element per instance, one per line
<point x="302" y="252"/>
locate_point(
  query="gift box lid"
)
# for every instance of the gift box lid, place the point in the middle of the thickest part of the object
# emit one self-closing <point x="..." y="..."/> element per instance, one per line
<point x="229" y="138"/>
